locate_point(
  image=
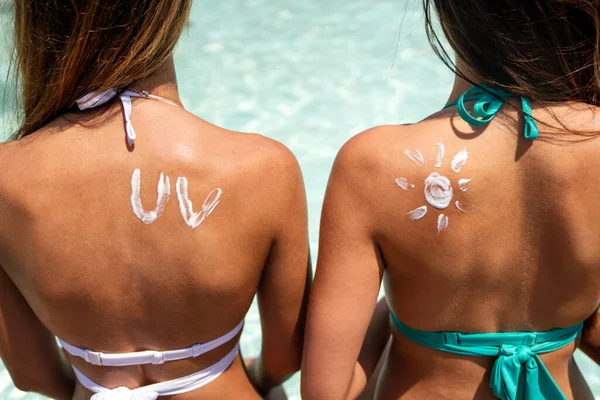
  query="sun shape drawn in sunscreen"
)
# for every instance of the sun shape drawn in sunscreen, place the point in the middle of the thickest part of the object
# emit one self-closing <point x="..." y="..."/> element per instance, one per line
<point x="438" y="188"/>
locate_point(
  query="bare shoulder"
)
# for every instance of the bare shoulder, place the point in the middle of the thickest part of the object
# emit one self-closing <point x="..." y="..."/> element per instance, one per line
<point x="251" y="152"/>
<point x="267" y="159"/>
<point x="369" y="153"/>
<point x="274" y="155"/>
<point x="265" y="170"/>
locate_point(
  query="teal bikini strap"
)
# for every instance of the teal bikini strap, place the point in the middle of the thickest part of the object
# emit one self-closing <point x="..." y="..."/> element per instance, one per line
<point x="488" y="101"/>
<point x="531" y="128"/>
<point x="518" y="373"/>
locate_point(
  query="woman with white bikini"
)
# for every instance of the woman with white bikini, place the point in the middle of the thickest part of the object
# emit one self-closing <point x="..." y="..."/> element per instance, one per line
<point x="134" y="231"/>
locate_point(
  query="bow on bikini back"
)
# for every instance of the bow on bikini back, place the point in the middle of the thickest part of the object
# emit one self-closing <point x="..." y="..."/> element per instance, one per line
<point x="518" y="372"/>
<point x="487" y="102"/>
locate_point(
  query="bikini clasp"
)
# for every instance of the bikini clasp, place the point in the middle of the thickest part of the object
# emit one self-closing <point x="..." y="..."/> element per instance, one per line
<point x="93" y="357"/>
<point x="530" y="339"/>
<point x="158" y="358"/>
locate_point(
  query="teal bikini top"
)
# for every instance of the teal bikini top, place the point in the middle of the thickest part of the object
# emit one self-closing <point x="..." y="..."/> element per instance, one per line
<point x="488" y="101"/>
<point x="518" y="373"/>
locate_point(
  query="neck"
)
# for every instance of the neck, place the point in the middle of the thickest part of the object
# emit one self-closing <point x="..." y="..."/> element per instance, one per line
<point x="162" y="83"/>
<point x="461" y="85"/>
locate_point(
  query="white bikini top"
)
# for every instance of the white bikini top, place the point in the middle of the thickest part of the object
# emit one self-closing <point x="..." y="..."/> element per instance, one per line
<point x="149" y="356"/>
<point x="96" y="99"/>
<point x="167" y="388"/>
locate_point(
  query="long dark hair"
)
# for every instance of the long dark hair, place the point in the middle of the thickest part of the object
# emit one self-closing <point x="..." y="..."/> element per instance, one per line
<point x="545" y="50"/>
<point x="65" y="49"/>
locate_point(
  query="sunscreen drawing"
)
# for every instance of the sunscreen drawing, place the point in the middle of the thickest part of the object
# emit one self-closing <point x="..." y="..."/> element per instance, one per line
<point x="191" y="218"/>
<point x="403" y="183"/>
<point x="442" y="223"/>
<point x="417" y="213"/>
<point x="462" y="184"/>
<point x="459" y="160"/>
<point x="438" y="189"/>
<point x="439" y="155"/>
<point x="415" y="156"/>
<point x="163" y="192"/>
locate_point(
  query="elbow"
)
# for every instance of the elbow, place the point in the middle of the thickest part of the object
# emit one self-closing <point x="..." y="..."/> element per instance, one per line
<point x="26" y="384"/>
<point x="280" y="370"/>
<point x="315" y="385"/>
<point x="309" y="391"/>
<point x="323" y="382"/>
<point x="282" y="362"/>
<point x="43" y="385"/>
<point x="294" y="363"/>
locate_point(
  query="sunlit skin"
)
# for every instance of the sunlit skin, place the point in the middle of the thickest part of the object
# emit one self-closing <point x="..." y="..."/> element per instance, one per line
<point x="526" y="259"/>
<point x="78" y="263"/>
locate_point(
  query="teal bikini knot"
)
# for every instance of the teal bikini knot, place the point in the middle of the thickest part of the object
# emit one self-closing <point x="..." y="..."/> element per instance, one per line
<point x="522" y="354"/>
<point x="488" y="101"/>
<point x="518" y="372"/>
<point x="487" y="104"/>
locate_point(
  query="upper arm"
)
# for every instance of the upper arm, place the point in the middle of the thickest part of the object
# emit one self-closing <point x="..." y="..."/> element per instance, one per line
<point x="28" y="350"/>
<point x="286" y="278"/>
<point x="348" y="276"/>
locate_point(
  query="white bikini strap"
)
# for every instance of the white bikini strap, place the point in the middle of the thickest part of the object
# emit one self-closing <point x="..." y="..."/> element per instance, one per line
<point x="96" y="99"/>
<point x="149" y="356"/>
<point x="126" y="101"/>
<point x="168" y="388"/>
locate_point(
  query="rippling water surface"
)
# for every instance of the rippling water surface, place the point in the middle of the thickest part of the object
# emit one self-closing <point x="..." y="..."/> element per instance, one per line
<point x="310" y="74"/>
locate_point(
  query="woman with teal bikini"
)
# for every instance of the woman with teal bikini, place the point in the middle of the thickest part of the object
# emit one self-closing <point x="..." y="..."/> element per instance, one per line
<point x="482" y="221"/>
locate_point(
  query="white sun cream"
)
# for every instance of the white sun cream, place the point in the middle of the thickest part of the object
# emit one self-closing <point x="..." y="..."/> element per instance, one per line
<point x="164" y="191"/>
<point x="463" y="183"/>
<point x="464" y="207"/>
<point x="460" y="160"/>
<point x="442" y="223"/>
<point x="438" y="191"/>
<point x="439" y="154"/>
<point x="192" y="219"/>
<point x="415" y="156"/>
<point x="403" y="183"/>
<point x="417" y="213"/>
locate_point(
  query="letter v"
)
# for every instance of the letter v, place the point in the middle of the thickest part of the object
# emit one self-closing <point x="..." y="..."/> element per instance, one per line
<point x="192" y="219"/>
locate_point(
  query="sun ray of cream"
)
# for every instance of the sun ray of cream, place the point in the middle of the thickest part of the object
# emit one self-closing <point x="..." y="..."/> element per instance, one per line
<point x="439" y="154"/>
<point x="459" y="160"/>
<point x="417" y="213"/>
<point x="404" y="184"/>
<point x="415" y="156"/>
<point x="442" y="223"/>
<point x="462" y="184"/>
<point x="464" y="207"/>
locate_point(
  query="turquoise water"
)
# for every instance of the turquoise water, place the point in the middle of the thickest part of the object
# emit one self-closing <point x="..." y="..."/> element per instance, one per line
<point x="310" y="74"/>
